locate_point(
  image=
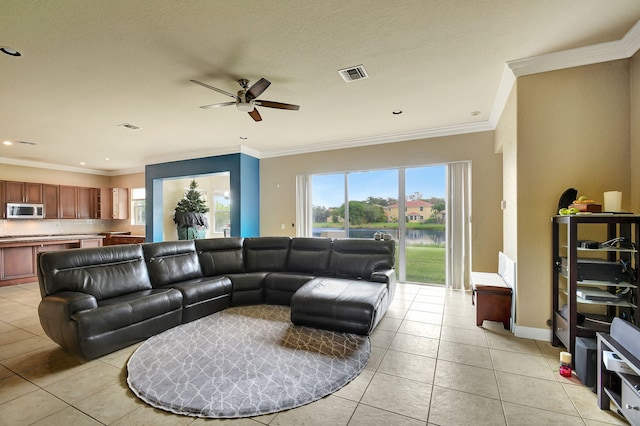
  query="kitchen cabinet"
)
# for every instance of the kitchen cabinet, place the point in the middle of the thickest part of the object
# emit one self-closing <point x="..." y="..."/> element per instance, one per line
<point x="17" y="263"/>
<point x="68" y="199"/>
<point x="23" y="192"/>
<point x="51" y="205"/>
<point x="86" y="203"/>
<point x="18" y="255"/>
<point x="591" y="281"/>
<point x="114" y="203"/>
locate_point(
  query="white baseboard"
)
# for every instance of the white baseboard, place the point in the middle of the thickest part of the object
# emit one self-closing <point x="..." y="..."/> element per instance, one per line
<point x="543" y="334"/>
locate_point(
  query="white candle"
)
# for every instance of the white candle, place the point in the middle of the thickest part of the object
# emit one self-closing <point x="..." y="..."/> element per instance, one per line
<point x="565" y="357"/>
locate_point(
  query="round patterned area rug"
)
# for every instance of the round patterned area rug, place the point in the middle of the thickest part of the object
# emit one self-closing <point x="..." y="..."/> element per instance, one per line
<point x="243" y="362"/>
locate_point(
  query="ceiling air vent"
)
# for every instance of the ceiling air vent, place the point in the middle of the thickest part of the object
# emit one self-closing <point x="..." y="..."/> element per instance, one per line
<point x="129" y="126"/>
<point x="353" y="73"/>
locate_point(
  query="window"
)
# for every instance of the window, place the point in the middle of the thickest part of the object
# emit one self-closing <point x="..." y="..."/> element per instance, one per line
<point x="138" y="198"/>
<point x="221" y="212"/>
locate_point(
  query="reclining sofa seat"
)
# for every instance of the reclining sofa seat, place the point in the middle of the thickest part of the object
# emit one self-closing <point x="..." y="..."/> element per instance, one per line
<point x="262" y="256"/>
<point x="175" y="264"/>
<point x="307" y="258"/>
<point x="356" y="294"/>
<point x="98" y="300"/>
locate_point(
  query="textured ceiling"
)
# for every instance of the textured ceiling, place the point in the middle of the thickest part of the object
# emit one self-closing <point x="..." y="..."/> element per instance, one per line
<point x="89" y="65"/>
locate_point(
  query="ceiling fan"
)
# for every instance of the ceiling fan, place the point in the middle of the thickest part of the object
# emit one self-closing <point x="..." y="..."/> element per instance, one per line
<point x="246" y="99"/>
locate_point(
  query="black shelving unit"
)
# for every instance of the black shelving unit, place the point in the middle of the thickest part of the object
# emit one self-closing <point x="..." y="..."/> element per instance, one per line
<point x="566" y="284"/>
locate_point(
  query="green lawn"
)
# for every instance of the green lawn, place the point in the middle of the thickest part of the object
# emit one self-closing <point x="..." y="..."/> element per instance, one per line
<point x="425" y="264"/>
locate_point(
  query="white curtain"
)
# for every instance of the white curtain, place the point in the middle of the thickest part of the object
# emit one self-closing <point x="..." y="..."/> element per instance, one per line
<point x="458" y="216"/>
<point x="304" y="208"/>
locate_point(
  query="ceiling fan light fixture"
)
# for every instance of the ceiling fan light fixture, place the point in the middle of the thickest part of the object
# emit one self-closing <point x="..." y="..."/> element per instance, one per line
<point x="245" y="106"/>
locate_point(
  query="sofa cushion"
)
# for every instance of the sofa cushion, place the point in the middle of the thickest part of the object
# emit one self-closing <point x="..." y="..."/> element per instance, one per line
<point x="103" y="272"/>
<point x="309" y="255"/>
<point x="266" y="254"/>
<point x="202" y="289"/>
<point x="220" y="256"/>
<point x="122" y="311"/>
<point x="359" y="257"/>
<point x="280" y="286"/>
<point x="171" y="261"/>
<point x="352" y="306"/>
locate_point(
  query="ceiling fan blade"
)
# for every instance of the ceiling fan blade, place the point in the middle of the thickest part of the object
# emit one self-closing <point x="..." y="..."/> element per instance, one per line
<point x="224" y="92"/>
<point x="255" y="115"/>
<point x="224" y="104"/>
<point x="278" y="105"/>
<point x="257" y="89"/>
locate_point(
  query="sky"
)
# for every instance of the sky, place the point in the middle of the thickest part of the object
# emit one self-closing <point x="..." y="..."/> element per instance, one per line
<point x="328" y="190"/>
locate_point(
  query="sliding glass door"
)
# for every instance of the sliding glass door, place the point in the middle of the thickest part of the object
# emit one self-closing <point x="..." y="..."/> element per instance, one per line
<point x="409" y="204"/>
<point x="424" y="233"/>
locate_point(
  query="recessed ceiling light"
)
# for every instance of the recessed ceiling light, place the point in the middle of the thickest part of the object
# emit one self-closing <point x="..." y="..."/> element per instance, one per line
<point x="9" y="51"/>
<point x="397" y="112"/>
<point x="474" y="113"/>
<point x="7" y="143"/>
<point x="82" y="163"/>
<point x="107" y="159"/>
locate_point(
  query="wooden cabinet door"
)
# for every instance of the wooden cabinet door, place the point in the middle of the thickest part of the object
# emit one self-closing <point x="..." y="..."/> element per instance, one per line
<point x="33" y="193"/>
<point x="106" y="203"/>
<point x="51" y="205"/>
<point x="17" y="262"/>
<point x="14" y="192"/>
<point x="68" y="199"/>
<point x="23" y="192"/>
<point x="85" y="203"/>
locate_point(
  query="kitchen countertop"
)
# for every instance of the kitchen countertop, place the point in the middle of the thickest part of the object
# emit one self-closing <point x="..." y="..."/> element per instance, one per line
<point x="37" y="238"/>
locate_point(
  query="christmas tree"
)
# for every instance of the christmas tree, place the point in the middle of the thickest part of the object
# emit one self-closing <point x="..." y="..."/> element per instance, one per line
<point x="190" y="210"/>
<point x="192" y="201"/>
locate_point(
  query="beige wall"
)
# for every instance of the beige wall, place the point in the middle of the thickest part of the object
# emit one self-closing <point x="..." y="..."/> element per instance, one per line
<point x="573" y="130"/>
<point x="278" y="178"/>
<point x="54" y="177"/>
<point x="635" y="133"/>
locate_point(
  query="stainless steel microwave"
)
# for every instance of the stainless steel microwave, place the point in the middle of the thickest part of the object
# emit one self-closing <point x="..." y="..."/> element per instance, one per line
<point x="25" y="211"/>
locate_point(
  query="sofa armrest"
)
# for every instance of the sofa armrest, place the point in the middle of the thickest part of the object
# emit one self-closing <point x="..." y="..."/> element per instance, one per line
<point x="384" y="276"/>
<point x="60" y="306"/>
<point x="387" y="276"/>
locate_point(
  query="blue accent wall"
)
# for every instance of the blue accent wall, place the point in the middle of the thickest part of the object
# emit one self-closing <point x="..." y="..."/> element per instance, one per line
<point x="244" y="179"/>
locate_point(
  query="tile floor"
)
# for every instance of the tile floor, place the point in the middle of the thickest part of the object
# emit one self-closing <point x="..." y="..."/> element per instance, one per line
<point x="430" y="365"/>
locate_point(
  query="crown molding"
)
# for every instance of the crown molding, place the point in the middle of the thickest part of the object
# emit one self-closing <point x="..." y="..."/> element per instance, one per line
<point x="603" y="52"/>
<point x="50" y="166"/>
<point x="212" y="152"/>
<point x="377" y="140"/>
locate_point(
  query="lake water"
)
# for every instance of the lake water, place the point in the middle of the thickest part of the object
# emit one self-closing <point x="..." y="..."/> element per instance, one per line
<point x="414" y="236"/>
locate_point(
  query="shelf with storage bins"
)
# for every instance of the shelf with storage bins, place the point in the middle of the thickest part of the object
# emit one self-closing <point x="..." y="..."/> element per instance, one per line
<point x="582" y="305"/>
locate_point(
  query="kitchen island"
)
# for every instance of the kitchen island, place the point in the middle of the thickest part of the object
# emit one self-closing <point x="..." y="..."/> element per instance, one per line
<point x="18" y="254"/>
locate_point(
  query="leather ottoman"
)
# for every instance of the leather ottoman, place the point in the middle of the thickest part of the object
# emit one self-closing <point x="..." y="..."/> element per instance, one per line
<point x="350" y="306"/>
